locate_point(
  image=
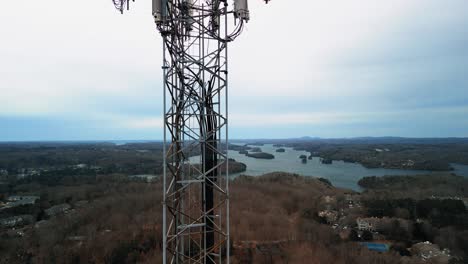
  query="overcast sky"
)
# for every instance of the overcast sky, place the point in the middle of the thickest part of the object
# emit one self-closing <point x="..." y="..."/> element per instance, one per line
<point x="78" y="70"/>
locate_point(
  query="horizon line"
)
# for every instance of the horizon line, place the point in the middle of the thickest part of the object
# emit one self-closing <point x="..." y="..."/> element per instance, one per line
<point x="308" y="138"/>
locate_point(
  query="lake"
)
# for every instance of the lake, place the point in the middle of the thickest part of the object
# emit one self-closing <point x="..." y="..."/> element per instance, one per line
<point x="340" y="174"/>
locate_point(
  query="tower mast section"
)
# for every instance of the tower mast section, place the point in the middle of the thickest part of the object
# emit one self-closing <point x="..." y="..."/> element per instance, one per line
<point x="195" y="36"/>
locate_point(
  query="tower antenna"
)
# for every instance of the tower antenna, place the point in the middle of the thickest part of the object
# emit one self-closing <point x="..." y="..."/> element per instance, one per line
<point x="196" y="34"/>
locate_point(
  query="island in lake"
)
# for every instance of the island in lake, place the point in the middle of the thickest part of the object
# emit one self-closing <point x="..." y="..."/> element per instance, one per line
<point x="260" y="155"/>
<point x="256" y="149"/>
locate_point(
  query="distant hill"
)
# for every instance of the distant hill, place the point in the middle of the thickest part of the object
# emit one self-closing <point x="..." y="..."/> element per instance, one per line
<point x="361" y="140"/>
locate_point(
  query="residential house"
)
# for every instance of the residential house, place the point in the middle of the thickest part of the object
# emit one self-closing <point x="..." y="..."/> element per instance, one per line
<point x="57" y="209"/>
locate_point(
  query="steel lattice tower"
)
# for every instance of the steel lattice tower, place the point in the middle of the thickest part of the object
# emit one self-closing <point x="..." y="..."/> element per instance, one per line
<point x="196" y="202"/>
<point x="196" y="34"/>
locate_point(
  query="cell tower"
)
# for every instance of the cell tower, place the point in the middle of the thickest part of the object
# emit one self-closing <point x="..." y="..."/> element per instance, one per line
<point x="196" y="34"/>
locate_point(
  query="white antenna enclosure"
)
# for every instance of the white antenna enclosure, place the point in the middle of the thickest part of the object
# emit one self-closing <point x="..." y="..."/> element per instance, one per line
<point x="241" y="10"/>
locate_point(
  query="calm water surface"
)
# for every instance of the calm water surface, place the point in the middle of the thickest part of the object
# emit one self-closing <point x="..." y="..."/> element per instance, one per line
<point x="341" y="174"/>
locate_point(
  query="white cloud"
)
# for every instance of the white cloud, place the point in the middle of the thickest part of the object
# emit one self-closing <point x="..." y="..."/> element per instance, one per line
<point x="144" y="123"/>
<point x="292" y="48"/>
<point x="260" y="120"/>
<point x="437" y="114"/>
<point x="84" y="60"/>
<point x="57" y="54"/>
